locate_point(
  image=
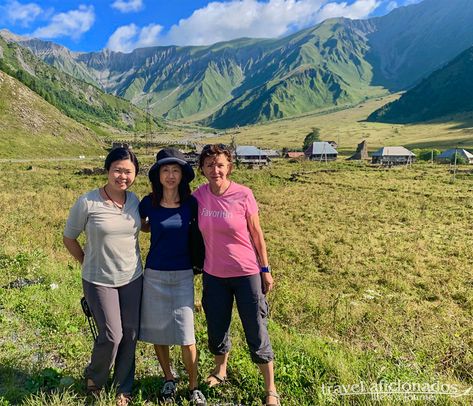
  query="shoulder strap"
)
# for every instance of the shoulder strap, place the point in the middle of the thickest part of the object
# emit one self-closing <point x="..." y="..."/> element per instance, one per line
<point x="194" y="206"/>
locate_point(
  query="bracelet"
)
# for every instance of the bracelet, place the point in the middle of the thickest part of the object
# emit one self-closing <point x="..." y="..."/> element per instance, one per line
<point x="266" y="269"/>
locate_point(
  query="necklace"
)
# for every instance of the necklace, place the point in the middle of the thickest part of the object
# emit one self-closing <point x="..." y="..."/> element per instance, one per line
<point x="118" y="206"/>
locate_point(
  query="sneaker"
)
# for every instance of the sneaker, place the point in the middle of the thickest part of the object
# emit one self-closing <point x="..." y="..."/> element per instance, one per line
<point x="197" y="398"/>
<point x="168" y="392"/>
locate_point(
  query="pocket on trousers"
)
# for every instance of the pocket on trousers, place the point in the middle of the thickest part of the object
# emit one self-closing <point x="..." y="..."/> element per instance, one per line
<point x="263" y="307"/>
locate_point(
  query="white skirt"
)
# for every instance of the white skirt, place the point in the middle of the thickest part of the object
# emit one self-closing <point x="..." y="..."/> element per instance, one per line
<point x="167" y="307"/>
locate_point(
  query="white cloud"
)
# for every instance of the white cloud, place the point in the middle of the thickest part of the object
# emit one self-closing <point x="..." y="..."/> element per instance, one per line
<point x="220" y="21"/>
<point x="126" y="6"/>
<point x="14" y="12"/>
<point x="129" y="37"/>
<point x="223" y="21"/>
<point x="70" y="24"/>
<point x="391" y="6"/>
<point x="358" y="9"/>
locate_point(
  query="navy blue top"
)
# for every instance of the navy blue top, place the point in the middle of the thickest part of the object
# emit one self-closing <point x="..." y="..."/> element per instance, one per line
<point x="169" y="250"/>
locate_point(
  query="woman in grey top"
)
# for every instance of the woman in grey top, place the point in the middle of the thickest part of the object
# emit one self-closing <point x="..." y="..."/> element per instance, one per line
<point x="111" y="271"/>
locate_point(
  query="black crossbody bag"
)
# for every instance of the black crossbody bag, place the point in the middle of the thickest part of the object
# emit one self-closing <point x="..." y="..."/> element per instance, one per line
<point x="196" y="242"/>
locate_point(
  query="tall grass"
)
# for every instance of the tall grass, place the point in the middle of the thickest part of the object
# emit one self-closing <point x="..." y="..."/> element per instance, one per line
<point x="373" y="284"/>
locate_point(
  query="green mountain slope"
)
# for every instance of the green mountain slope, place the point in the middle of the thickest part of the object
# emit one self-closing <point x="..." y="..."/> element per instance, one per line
<point x="81" y="101"/>
<point x="413" y="41"/>
<point x="32" y="128"/>
<point x="315" y="68"/>
<point x="247" y="81"/>
<point x="445" y="92"/>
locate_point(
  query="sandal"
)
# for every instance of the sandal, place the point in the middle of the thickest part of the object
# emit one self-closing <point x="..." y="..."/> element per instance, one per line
<point x="168" y="392"/>
<point x="197" y="398"/>
<point x="217" y="378"/>
<point x="274" y="395"/>
<point x="123" y="399"/>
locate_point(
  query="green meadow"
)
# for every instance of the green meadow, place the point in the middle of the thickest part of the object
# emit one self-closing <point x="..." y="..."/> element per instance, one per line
<point x="348" y="127"/>
<point x="374" y="285"/>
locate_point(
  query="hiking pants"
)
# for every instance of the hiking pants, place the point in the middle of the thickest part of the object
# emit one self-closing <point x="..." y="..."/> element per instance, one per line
<point x="217" y="301"/>
<point x="116" y="311"/>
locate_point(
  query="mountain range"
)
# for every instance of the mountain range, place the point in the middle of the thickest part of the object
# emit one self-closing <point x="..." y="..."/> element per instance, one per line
<point x="82" y="101"/>
<point x="447" y="91"/>
<point x="336" y="63"/>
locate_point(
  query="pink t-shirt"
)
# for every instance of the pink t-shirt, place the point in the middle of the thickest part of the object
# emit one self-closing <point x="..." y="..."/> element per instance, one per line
<point x="229" y="251"/>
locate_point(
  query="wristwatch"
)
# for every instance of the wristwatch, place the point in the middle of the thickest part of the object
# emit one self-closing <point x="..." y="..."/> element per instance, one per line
<point x="266" y="269"/>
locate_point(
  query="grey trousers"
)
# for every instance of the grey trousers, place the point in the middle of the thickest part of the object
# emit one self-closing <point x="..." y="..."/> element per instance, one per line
<point x="217" y="301"/>
<point x="117" y="314"/>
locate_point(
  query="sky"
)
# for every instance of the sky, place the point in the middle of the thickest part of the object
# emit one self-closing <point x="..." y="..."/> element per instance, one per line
<point x="124" y="25"/>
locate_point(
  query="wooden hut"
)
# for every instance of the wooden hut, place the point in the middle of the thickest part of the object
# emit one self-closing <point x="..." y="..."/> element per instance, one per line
<point x="294" y="154"/>
<point x="361" y="152"/>
<point x="448" y="156"/>
<point x="393" y="156"/>
<point x="321" y="151"/>
<point x="249" y="155"/>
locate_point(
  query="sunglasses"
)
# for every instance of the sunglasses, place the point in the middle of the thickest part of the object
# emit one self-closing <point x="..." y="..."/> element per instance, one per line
<point x="209" y="146"/>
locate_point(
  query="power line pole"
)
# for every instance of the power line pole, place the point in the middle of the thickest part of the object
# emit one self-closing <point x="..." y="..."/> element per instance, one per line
<point x="148" y="127"/>
<point x="455" y="165"/>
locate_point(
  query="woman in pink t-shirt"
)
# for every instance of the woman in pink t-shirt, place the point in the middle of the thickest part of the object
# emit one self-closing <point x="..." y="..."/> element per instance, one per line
<point x="236" y="267"/>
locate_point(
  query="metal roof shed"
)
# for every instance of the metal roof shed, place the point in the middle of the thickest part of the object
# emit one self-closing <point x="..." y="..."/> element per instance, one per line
<point x="321" y="150"/>
<point x="393" y="156"/>
<point x="250" y="155"/>
<point x="448" y="155"/>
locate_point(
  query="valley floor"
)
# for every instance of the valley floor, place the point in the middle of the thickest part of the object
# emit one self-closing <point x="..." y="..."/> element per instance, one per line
<point x="349" y="127"/>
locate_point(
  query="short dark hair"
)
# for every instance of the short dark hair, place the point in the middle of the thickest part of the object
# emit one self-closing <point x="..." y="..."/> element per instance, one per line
<point x="121" y="154"/>
<point x="213" y="150"/>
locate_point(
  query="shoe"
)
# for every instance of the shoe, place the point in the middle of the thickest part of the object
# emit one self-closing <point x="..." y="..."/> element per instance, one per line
<point x="123" y="399"/>
<point x="92" y="388"/>
<point x="215" y="379"/>
<point x="273" y="394"/>
<point x="168" y="392"/>
<point x="197" y="398"/>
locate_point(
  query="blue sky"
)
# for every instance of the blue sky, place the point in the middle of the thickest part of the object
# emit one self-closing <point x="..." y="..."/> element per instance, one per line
<point x="123" y="25"/>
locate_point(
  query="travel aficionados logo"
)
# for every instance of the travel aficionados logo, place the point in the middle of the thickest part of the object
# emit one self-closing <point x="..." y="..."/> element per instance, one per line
<point x="398" y="390"/>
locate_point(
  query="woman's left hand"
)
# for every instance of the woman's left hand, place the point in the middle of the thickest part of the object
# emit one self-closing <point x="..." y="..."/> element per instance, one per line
<point x="267" y="280"/>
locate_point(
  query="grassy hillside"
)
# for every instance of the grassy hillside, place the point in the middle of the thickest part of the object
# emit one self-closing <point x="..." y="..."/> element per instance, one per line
<point x="81" y="101"/>
<point x="362" y="295"/>
<point x="316" y="68"/>
<point x="446" y="91"/>
<point x="243" y="81"/>
<point x="348" y="127"/>
<point x="236" y="82"/>
<point x="32" y="128"/>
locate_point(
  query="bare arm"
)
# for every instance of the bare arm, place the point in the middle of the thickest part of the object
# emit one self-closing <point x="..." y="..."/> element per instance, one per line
<point x="260" y="245"/>
<point x="74" y="248"/>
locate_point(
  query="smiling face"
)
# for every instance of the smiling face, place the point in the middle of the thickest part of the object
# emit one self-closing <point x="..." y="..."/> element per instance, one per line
<point x="216" y="169"/>
<point x="121" y="175"/>
<point x="170" y="176"/>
